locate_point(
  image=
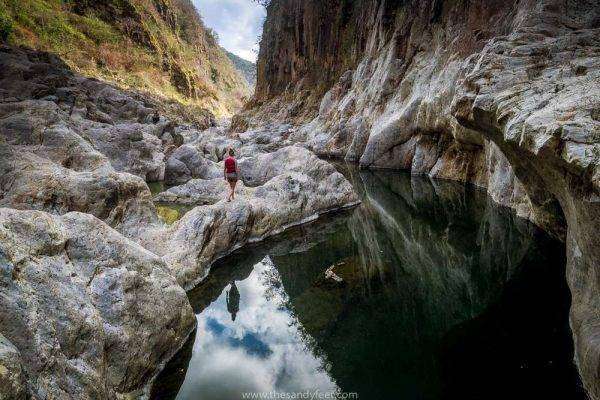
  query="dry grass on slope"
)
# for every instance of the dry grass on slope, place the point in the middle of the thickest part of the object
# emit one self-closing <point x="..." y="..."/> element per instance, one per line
<point x="160" y="46"/>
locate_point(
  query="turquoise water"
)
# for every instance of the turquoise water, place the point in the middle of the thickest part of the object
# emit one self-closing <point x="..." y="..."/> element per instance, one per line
<point x="427" y="290"/>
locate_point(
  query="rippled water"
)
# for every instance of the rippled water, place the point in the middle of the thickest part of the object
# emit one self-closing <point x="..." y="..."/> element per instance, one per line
<point x="425" y="291"/>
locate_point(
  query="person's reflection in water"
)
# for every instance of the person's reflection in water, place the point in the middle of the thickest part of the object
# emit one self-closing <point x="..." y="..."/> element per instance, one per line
<point x="233" y="300"/>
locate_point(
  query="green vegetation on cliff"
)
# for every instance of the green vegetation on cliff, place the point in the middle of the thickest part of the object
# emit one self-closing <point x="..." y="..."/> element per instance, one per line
<point x="160" y="46"/>
<point x="247" y="68"/>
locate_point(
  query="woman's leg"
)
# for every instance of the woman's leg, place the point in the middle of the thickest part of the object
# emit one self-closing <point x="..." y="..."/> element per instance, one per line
<point x="233" y="190"/>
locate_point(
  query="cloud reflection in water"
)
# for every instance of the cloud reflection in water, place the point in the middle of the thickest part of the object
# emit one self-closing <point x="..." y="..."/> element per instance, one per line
<point x="263" y="350"/>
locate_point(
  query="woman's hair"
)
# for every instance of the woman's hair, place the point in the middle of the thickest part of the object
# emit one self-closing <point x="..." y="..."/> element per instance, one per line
<point x="231" y="152"/>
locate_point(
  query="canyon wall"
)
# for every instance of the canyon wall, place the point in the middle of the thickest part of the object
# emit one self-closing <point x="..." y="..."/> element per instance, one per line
<point x="159" y="46"/>
<point x="504" y="95"/>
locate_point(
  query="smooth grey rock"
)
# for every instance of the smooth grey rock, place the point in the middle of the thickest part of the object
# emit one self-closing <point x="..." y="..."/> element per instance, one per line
<point x="504" y="95"/>
<point x="258" y="170"/>
<point x="187" y="163"/>
<point x="176" y="172"/>
<point x="248" y="219"/>
<point x="31" y="182"/>
<point x="294" y="187"/>
<point x="197" y="192"/>
<point x="551" y="141"/>
<point x="92" y="313"/>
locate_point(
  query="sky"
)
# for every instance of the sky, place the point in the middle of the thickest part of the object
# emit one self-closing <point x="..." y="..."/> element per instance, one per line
<point x="237" y="22"/>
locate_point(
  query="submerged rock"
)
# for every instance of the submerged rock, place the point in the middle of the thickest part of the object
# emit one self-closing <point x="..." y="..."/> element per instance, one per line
<point x="92" y="314"/>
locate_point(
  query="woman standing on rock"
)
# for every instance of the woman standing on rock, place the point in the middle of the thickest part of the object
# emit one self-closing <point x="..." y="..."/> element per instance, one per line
<point x="231" y="172"/>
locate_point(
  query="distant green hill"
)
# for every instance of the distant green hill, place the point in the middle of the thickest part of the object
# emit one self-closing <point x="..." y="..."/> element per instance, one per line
<point x="247" y="68"/>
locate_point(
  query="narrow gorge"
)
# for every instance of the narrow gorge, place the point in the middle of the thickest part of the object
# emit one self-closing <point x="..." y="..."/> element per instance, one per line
<point x="126" y="274"/>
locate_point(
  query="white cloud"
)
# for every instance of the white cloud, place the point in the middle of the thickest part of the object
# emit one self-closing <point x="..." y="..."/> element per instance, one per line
<point x="237" y="22"/>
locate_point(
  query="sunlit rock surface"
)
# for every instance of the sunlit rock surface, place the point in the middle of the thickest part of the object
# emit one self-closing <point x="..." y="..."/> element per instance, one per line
<point x="74" y="144"/>
<point x="286" y="196"/>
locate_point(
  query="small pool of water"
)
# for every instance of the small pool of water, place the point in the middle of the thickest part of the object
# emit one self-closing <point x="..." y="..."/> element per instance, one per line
<point x="171" y="213"/>
<point x="427" y="290"/>
<point x="167" y="212"/>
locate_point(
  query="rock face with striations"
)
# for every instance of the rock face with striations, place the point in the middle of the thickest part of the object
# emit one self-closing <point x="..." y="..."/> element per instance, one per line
<point x="505" y="95"/>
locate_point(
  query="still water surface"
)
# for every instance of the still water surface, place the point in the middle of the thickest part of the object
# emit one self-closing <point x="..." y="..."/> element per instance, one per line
<point x="427" y="290"/>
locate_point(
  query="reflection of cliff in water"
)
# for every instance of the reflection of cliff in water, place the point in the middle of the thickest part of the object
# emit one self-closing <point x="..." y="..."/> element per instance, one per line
<point x="426" y="257"/>
<point x="442" y="295"/>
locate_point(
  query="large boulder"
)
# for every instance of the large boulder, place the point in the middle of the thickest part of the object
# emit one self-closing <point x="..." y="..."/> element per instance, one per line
<point x="130" y="147"/>
<point x="261" y="168"/>
<point x="187" y="163"/>
<point x="92" y="314"/>
<point x="31" y="182"/>
<point x="44" y="104"/>
<point x="77" y="145"/>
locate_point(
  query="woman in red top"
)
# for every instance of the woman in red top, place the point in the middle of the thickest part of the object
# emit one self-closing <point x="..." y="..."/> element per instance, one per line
<point x="231" y="172"/>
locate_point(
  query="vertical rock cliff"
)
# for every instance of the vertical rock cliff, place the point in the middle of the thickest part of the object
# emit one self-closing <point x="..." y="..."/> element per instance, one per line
<point x="501" y="94"/>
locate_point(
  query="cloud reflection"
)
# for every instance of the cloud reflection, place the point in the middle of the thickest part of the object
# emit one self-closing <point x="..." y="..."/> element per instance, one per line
<point x="263" y="350"/>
